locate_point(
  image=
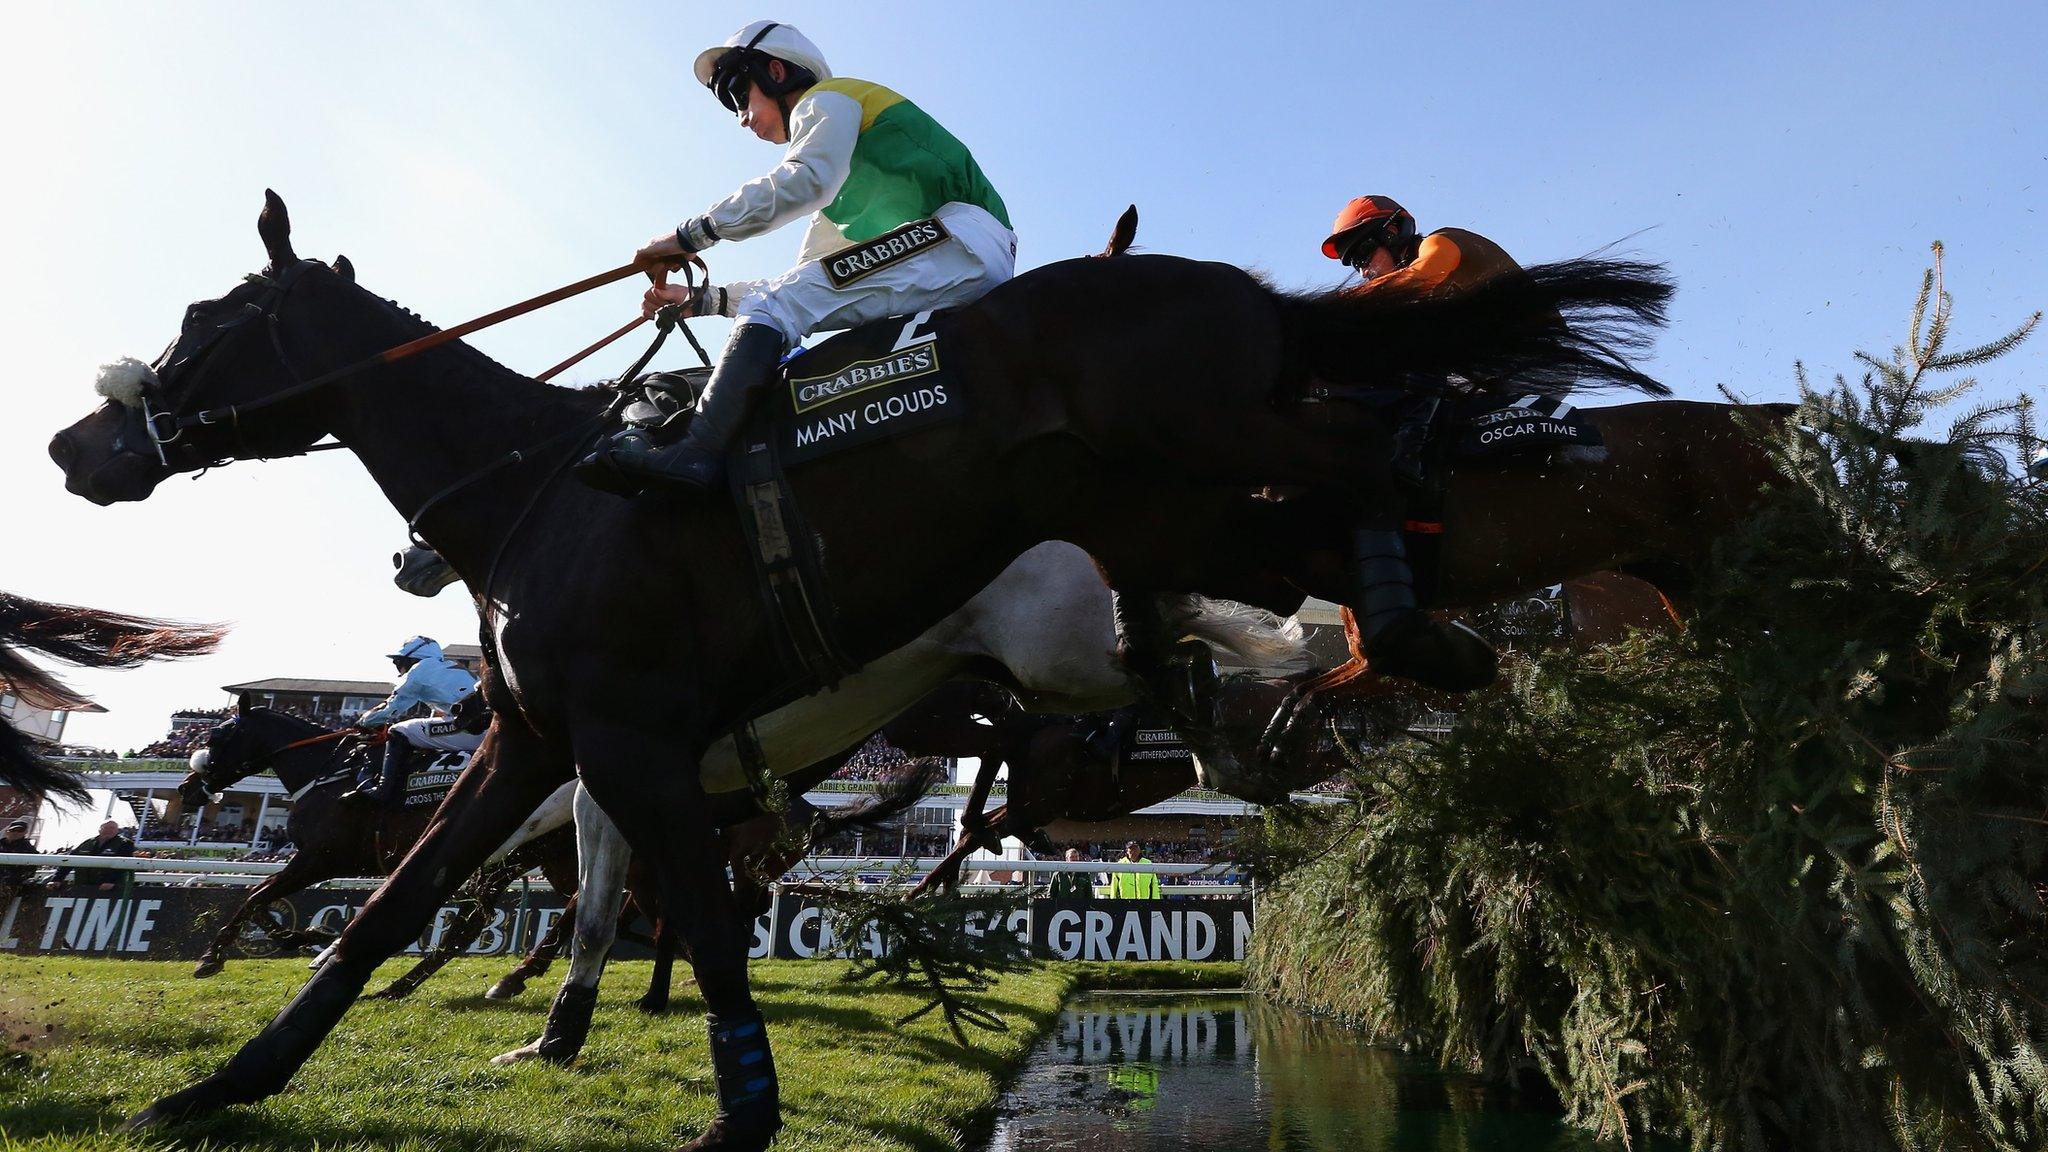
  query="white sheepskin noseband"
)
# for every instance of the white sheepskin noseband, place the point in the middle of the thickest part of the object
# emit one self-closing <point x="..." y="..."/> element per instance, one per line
<point x="123" y="380"/>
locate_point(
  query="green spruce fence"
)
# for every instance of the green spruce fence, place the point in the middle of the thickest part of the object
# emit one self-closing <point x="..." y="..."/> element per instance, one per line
<point x="1774" y="882"/>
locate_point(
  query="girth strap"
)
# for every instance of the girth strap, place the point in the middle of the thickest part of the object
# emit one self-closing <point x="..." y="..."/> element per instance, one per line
<point x="788" y="565"/>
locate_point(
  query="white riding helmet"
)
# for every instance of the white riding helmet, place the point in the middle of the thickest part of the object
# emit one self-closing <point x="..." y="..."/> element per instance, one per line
<point x="417" y="648"/>
<point x="769" y="39"/>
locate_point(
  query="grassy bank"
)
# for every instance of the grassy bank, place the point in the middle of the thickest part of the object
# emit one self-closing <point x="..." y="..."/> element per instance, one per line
<point x="104" y="1037"/>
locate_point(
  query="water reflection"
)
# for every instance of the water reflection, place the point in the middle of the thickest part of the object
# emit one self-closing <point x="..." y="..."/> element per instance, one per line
<point x="1143" y="1073"/>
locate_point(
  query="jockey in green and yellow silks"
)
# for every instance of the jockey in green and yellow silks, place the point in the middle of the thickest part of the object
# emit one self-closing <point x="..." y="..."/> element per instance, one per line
<point x="902" y="219"/>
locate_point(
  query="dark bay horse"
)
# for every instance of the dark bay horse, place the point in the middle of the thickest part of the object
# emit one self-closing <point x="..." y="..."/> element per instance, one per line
<point x="334" y="837"/>
<point x="1112" y="398"/>
<point x="1059" y="769"/>
<point x="89" y="638"/>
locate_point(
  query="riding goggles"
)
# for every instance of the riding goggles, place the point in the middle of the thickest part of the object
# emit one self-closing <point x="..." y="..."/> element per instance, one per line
<point x="1358" y="248"/>
<point x="732" y="78"/>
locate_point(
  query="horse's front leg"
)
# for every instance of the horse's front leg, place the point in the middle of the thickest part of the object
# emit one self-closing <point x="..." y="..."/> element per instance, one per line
<point x="479" y="899"/>
<point x="299" y="872"/>
<point x="647" y="782"/>
<point x="511" y="774"/>
<point x="538" y="960"/>
<point x="602" y="858"/>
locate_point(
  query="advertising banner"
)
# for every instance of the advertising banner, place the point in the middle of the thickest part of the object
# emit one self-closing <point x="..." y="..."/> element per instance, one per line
<point x="158" y="922"/>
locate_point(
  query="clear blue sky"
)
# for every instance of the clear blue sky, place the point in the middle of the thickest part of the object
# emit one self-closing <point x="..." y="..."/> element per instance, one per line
<point x="1789" y="162"/>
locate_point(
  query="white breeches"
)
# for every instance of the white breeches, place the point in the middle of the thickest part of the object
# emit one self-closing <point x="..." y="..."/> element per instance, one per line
<point x="439" y="735"/>
<point x="979" y="255"/>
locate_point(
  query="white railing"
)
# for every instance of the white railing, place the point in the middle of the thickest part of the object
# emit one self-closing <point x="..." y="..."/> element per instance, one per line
<point x="244" y="873"/>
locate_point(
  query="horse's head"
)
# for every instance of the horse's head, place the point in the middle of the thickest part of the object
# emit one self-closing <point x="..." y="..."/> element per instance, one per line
<point x="182" y="412"/>
<point x="218" y="762"/>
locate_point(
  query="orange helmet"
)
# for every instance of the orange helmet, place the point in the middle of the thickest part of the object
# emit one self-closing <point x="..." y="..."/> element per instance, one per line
<point x="1371" y="221"/>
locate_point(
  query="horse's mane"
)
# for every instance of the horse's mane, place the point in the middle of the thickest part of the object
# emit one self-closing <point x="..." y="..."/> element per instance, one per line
<point x="88" y="638"/>
<point x="262" y="714"/>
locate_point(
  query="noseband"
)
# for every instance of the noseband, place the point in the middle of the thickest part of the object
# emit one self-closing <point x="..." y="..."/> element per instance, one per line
<point x="161" y="423"/>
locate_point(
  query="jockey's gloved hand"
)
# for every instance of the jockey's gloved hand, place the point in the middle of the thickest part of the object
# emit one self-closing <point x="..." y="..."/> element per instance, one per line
<point x="703" y="300"/>
<point x="667" y="253"/>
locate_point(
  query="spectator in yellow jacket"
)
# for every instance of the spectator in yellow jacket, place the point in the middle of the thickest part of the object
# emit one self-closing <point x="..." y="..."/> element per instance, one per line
<point x="1133" y="885"/>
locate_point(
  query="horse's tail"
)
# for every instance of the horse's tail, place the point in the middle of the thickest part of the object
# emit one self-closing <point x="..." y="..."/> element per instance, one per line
<point x="1255" y="637"/>
<point x="911" y="782"/>
<point x="83" y="636"/>
<point x="22" y="769"/>
<point x="1547" y="329"/>
<point x="97" y="639"/>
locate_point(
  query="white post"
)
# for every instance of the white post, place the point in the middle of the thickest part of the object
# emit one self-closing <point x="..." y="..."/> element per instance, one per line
<point x="256" y="833"/>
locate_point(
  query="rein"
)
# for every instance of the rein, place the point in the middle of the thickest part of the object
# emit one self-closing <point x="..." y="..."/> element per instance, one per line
<point x="665" y="322"/>
<point x="233" y="412"/>
<point x="253" y="764"/>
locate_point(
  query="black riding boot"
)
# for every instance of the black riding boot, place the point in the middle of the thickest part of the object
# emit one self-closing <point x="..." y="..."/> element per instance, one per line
<point x="694" y="465"/>
<point x="387" y="788"/>
<point x="1401" y="639"/>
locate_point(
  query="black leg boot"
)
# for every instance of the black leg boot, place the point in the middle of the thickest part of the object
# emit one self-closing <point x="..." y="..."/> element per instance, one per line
<point x="749" y="1098"/>
<point x="1401" y="639"/>
<point x="694" y="465"/>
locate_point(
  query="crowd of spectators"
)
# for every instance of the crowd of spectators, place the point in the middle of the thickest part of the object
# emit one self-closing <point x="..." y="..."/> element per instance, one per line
<point x="177" y="746"/>
<point x="1161" y="852"/>
<point x="875" y="760"/>
<point x="76" y="752"/>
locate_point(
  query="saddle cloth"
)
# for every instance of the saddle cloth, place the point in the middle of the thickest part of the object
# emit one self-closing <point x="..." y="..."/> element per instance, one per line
<point x="1151" y="738"/>
<point x="864" y="385"/>
<point x="860" y="387"/>
<point x="432" y="776"/>
<point x="1490" y="428"/>
<point x="429" y="773"/>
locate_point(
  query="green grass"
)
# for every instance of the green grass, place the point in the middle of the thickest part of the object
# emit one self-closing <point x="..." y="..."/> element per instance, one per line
<point x="109" y="1036"/>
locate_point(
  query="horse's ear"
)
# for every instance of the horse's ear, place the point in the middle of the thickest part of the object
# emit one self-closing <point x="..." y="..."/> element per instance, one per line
<point x="1124" y="233"/>
<point x="275" y="227"/>
<point x="241" y="706"/>
<point x="346" y="269"/>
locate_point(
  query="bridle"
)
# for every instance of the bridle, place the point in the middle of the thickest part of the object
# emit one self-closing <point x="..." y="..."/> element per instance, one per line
<point x="164" y="426"/>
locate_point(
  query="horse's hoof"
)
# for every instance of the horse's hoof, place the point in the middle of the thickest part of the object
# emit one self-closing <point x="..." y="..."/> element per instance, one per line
<point x="209" y="1095"/>
<point x="505" y="989"/>
<point x="730" y="1132"/>
<point x="206" y="968"/>
<point x="529" y="1052"/>
<point x="517" y="1055"/>
<point x="653" y="1005"/>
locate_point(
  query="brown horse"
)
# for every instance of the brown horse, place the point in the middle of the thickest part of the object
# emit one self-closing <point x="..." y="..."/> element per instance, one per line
<point x="86" y="637"/>
<point x="1106" y="401"/>
<point x="334" y="837"/>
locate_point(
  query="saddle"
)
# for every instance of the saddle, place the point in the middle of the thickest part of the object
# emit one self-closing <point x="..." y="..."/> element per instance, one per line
<point x="861" y="387"/>
<point x="429" y="773"/>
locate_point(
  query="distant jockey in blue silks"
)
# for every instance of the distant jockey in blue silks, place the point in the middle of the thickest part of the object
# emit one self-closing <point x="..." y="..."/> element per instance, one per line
<point x="431" y="679"/>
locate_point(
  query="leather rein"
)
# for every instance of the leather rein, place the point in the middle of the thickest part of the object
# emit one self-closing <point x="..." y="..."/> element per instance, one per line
<point x="279" y="286"/>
